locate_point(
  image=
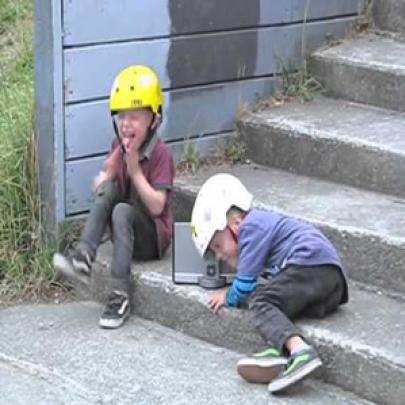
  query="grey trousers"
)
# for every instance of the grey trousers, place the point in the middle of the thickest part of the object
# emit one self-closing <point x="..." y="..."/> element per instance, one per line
<point x="295" y="292"/>
<point x="133" y="232"/>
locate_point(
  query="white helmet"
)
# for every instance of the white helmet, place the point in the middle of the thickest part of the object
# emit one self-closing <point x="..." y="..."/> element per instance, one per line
<point x="217" y="195"/>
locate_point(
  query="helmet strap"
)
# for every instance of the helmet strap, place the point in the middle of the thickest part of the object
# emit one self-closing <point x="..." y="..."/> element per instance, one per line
<point x="117" y="134"/>
<point x="233" y="234"/>
<point x="150" y="132"/>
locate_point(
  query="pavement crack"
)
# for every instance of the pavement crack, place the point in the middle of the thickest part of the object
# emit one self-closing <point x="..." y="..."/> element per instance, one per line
<point x="51" y="376"/>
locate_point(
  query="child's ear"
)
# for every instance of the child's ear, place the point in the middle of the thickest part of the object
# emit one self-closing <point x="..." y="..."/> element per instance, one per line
<point x="234" y="222"/>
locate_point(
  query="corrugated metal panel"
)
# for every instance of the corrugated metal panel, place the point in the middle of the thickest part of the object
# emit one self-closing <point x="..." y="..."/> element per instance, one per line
<point x="121" y="20"/>
<point x="195" y="60"/>
<point x="80" y="173"/>
<point x="187" y="113"/>
<point x="212" y="56"/>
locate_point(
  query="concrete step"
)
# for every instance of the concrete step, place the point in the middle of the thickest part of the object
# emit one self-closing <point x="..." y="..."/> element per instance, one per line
<point x="361" y="344"/>
<point x="367" y="228"/>
<point x="389" y="15"/>
<point x="332" y="139"/>
<point x="369" y="70"/>
<point x="56" y="354"/>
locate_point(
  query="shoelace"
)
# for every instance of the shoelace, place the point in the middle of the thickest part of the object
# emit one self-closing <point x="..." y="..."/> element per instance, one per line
<point x="84" y="256"/>
<point x="115" y="301"/>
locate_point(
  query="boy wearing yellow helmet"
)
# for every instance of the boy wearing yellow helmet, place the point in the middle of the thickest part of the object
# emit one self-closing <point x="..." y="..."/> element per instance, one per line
<point x="132" y="191"/>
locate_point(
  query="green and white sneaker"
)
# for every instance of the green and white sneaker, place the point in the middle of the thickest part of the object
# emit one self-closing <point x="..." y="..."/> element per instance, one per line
<point x="300" y="365"/>
<point x="262" y="366"/>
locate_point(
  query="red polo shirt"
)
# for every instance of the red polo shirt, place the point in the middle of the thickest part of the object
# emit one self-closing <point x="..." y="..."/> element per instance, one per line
<point x="158" y="168"/>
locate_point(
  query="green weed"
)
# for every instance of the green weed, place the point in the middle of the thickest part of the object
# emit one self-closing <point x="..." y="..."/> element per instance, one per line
<point x="25" y="257"/>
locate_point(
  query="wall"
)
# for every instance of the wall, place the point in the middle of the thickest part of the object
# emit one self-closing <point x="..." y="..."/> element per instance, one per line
<point x="213" y="57"/>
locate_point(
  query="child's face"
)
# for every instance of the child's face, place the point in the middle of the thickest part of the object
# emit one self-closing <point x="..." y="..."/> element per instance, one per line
<point x="225" y="247"/>
<point x="133" y="127"/>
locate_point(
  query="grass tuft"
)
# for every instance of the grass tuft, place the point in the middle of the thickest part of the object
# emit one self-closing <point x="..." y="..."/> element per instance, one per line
<point x="25" y="257"/>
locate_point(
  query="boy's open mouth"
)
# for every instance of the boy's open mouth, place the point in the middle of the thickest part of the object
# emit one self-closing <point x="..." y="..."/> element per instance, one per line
<point x="128" y="141"/>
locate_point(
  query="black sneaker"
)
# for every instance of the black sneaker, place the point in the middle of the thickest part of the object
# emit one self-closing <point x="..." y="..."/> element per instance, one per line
<point x="76" y="265"/>
<point x="116" y="311"/>
<point x="262" y="366"/>
<point x="300" y="365"/>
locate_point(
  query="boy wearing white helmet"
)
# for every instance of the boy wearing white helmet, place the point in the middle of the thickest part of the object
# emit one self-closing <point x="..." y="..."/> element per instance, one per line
<point x="285" y="268"/>
<point x="132" y="191"/>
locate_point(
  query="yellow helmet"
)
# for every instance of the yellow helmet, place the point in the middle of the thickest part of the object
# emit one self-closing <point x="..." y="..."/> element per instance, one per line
<point x="136" y="86"/>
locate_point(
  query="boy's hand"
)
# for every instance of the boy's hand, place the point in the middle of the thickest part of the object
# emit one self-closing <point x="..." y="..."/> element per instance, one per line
<point x="109" y="170"/>
<point x="111" y="165"/>
<point x="132" y="159"/>
<point x="100" y="178"/>
<point x="217" y="300"/>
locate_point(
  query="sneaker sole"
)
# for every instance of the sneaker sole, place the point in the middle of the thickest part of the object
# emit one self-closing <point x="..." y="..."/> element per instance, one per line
<point x="113" y="323"/>
<point x="278" y="386"/>
<point x="63" y="267"/>
<point x="264" y="372"/>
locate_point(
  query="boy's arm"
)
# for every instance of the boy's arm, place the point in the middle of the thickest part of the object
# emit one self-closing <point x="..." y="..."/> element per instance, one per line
<point x="101" y="177"/>
<point x="253" y="252"/>
<point x="239" y="291"/>
<point x="110" y="168"/>
<point x="153" y="199"/>
<point x="153" y="196"/>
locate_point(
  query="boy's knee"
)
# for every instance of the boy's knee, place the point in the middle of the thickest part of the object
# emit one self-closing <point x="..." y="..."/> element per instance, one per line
<point x="107" y="190"/>
<point x="265" y="296"/>
<point x="122" y="214"/>
<point x="259" y="302"/>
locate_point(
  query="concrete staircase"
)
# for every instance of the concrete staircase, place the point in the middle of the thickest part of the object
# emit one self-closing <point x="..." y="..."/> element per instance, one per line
<point x="350" y="143"/>
<point x="66" y="359"/>
<point x="389" y="16"/>
<point x="337" y="162"/>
